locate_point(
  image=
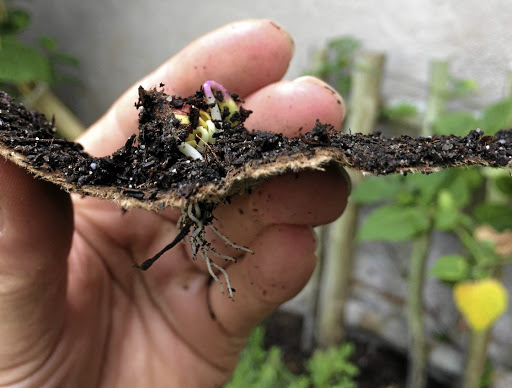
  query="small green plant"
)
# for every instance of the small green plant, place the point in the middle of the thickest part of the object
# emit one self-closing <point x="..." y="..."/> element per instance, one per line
<point x="23" y="63"/>
<point x="331" y="367"/>
<point x="264" y="368"/>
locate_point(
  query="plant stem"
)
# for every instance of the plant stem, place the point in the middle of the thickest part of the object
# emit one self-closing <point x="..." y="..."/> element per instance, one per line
<point x="476" y="358"/>
<point x="3" y="11"/>
<point x="40" y="97"/>
<point x="310" y="293"/>
<point x="339" y="258"/>
<point x="417" y="344"/>
<point x="438" y="93"/>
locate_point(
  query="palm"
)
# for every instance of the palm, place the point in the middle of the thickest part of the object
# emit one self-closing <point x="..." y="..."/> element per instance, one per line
<point x="142" y="326"/>
<point x="76" y="313"/>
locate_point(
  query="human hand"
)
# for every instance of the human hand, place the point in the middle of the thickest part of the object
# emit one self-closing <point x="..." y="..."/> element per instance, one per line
<point x="75" y="313"/>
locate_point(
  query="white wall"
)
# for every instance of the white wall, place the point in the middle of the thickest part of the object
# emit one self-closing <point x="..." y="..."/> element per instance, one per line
<point x="119" y="41"/>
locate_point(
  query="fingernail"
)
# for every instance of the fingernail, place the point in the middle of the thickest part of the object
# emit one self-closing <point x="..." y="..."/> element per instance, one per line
<point x="285" y="32"/>
<point x="317" y="81"/>
<point x="314" y="80"/>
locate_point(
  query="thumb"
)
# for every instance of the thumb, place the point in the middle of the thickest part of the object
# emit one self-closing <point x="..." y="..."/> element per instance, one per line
<point x="36" y="223"/>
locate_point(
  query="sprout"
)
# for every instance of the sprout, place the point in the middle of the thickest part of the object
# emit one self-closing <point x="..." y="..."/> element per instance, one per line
<point x="226" y="102"/>
<point x="188" y="150"/>
<point x="220" y="103"/>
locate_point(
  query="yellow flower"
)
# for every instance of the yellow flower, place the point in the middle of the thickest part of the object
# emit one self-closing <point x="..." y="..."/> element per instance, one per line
<point x="481" y="302"/>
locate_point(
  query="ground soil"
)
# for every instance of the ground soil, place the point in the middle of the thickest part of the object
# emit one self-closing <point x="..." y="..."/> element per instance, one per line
<point x="150" y="167"/>
<point x="380" y="365"/>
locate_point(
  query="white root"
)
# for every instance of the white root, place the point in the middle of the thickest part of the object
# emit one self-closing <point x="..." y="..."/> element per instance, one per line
<point x="188" y="150"/>
<point x="228" y="241"/>
<point x="210" y="270"/>
<point x="209" y="264"/>
<point x="199" y="244"/>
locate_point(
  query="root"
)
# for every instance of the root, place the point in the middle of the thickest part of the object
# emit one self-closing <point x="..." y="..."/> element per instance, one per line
<point x="149" y="262"/>
<point x="197" y="218"/>
<point x="228" y="241"/>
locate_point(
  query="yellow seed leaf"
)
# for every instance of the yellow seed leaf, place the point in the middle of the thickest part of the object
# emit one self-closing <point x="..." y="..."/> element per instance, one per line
<point x="480" y="302"/>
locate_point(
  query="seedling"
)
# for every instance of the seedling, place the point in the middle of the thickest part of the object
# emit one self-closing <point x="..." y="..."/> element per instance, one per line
<point x="221" y="110"/>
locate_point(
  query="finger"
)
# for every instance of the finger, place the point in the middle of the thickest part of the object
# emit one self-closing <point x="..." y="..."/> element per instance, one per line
<point x="36" y="225"/>
<point x="308" y="198"/>
<point x="292" y="107"/>
<point x="262" y="282"/>
<point x="282" y="263"/>
<point x="243" y="56"/>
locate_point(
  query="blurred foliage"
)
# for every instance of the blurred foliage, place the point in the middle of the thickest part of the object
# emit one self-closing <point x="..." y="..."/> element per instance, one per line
<point x="399" y="112"/>
<point x="473" y="203"/>
<point x="409" y="206"/>
<point x="334" y="63"/>
<point x="23" y="63"/>
<point x="493" y="118"/>
<point x="264" y="368"/>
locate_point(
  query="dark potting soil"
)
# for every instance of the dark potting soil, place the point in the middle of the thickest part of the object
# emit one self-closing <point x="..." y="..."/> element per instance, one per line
<point x="150" y="166"/>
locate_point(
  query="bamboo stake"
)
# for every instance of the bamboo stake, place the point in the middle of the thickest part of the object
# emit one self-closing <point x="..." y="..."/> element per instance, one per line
<point x="438" y="94"/>
<point x="416" y="375"/>
<point x="41" y="98"/>
<point x="339" y="257"/>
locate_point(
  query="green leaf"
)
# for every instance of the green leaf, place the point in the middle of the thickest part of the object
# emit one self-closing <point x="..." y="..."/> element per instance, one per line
<point x="462" y="183"/>
<point x="473" y="176"/>
<point x="497" y="215"/>
<point x="17" y="20"/>
<point x="345" y="44"/>
<point x="376" y="189"/>
<point x="455" y="123"/>
<point x="394" y="223"/>
<point x="504" y="184"/>
<point x="497" y="116"/>
<point x="399" y="112"/>
<point x="64" y="59"/>
<point x="450" y="268"/>
<point x="22" y="63"/>
<point x="332" y="367"/>
<point x="425" y="187"/>
<point x="259" y="367"/>
<point x="462" y="87"/>
<point x="47" y="43"/>
<point x="447" y="211"/>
